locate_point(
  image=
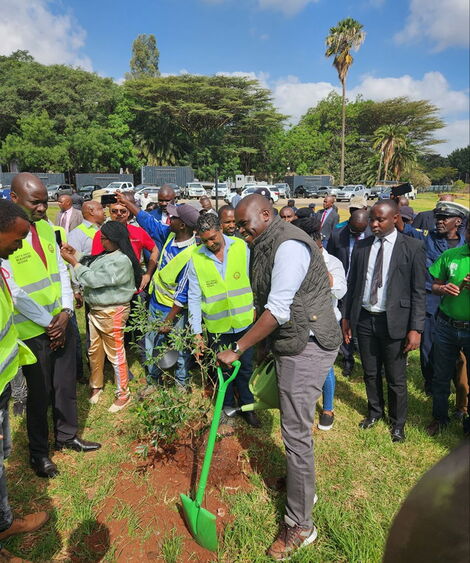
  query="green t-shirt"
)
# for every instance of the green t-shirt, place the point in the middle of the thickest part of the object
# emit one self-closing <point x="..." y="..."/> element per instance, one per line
<point x="452" y="266"/>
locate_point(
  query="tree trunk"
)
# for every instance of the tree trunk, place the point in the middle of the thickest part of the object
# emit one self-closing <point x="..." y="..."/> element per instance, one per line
<point x="343" y="134"/>
<point x="380" y="166"/>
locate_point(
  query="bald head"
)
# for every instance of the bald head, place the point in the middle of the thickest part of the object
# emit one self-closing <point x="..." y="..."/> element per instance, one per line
<point x="253" y="215"/>
<point x="446" y="197"/>
<point x="358" y="221"/>
<point x="93" y="211"/>
<point x="29" y="192"/>
<point x="65" y="202"/>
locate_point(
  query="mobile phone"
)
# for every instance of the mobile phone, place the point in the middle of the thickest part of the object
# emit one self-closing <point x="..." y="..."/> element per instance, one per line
<point x="58" y="237"/>
<point x="402" y="189"/>
<point x="106" y="199"/>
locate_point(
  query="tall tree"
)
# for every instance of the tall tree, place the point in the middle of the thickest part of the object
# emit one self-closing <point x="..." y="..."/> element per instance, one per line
<point x="343" y="38"/>
<point x="145" y="57"/>
<point x="386" y="140"/>
<point x="460" y="159"/>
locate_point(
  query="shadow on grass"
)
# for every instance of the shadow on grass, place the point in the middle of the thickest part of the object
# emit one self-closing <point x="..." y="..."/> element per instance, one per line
<point x="89" y="542"/>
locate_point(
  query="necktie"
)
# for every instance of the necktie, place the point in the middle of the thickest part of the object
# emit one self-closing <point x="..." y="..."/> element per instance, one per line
<point x="36" y="244"/>
<point x="377" y="274"/>
<point x="63" y="220"/>
<point x="323" y="217"/>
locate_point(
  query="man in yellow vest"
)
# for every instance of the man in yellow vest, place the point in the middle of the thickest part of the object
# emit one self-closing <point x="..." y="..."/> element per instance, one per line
<point x="220" y="296"/>
<point x="14" y="227"/>
<point x="43" y="299"/>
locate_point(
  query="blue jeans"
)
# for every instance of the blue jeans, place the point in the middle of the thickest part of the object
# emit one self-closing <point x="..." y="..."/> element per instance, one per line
<point x="329" y="391"/>
<point x="153" y="340"/>
<point x="447" y="345"/>
<point x="6" y="517"/>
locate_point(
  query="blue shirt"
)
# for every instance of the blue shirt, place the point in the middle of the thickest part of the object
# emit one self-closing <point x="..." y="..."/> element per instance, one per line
<point x="158" y="231"/>
<point x="195" y="294"/>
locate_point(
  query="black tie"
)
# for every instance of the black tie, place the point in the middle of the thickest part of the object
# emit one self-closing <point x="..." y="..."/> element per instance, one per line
<point x="377" y="274"/>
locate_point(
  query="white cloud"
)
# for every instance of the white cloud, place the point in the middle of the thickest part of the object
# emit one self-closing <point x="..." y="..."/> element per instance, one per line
<point x="262" y="77"/>
<point x="49" y="37"/>
<point x="444" y="22"/>
<point x="457" y="135"/>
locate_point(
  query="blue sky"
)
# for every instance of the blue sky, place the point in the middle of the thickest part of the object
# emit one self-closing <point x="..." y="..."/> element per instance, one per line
<point x="417" y="48"/>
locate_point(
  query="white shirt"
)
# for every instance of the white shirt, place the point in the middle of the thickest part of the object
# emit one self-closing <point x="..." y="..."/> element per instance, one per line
<point x="27" y="306"/>
<point x="388" y="244"/>
<point x="340" y="286"/>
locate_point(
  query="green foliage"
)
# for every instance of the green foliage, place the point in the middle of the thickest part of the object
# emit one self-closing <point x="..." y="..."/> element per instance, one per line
<point x="145" y="57"/>
<point x="443" y="174"/>
<point x="172" y="547"/>
<point x="460" y="159"/>
<point x="458" y="185"/>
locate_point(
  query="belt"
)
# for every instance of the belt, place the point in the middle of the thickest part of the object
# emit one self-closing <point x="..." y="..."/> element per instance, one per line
<point x="456" y="324"/>
<point x="372" y="313"/>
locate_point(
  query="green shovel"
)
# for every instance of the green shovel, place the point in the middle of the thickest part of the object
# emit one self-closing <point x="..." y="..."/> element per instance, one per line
<point x="201" y="522"/>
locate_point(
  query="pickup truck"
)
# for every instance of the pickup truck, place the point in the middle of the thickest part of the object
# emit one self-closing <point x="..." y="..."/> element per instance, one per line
<point x="353" y="190"/>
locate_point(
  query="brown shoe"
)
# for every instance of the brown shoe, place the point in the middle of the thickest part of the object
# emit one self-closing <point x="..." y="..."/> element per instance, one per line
<point x="29" y="523"/>
<point x="289" y="539"/>
<point x="6" y="556"/>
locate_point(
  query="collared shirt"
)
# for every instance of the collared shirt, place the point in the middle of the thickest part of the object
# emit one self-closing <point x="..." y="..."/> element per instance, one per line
<point x="65" y="219"/>
<point x="325" y="214"/>
<point x="27" y="306"/>
<point x="154" y="227"/>
<point x="352" y="241"/>
<point x="286" y="281"/>
<point x="340" y="286"/>
<point x="79" y="240"/>
<point x="139" y="240"/>
<point x="195" y="293"/>
<point x="388" y="244"/>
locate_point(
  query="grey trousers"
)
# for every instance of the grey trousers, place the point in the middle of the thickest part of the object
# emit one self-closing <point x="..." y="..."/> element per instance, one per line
<point x="300" y="379"/>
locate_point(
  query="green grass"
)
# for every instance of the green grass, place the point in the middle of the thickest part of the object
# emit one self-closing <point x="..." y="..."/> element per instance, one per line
<point x="362" y="478"/>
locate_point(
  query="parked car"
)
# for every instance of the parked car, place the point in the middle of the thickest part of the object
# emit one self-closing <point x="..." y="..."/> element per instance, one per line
<point x="385" y="193"/>
<point x="250" y="190"/>
<point x="323" y="191"/>
<point x="353" y="190"/>
<point x="122" y="186"/>
<point x="274" y="193"/>
<point x="283" y="189"/>
<point x="55" y="190"/>
<point x="375" y="191"/>
<point x="222" y="190"/>
<point x="305" y="191"/>
<point x="194" y="190"/>
<point x="87" y="191"/>
<point x="332" y="190"/>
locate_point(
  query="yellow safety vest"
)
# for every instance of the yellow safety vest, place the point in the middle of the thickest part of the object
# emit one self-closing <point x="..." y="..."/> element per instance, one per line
<point x="89" y="231"/>
<point x="41" y="284"/>
<point x="163" y="284"/>
<point x="13" y="352"/>
<point x="226" y="303"/>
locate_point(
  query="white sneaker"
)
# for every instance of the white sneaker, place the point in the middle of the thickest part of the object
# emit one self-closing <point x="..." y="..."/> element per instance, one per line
<point x="95" y="397"/>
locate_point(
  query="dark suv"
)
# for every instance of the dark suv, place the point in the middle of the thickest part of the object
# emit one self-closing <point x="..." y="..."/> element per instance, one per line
<point x="305" y="191"/>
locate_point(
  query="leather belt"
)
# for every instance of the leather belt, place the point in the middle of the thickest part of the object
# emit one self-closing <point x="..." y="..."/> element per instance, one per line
<point x="456" y="324"/>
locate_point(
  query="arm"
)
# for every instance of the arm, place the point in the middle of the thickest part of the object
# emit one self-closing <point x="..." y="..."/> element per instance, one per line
<point x="350" y="294"/>
<point x="106" y="272"/>
<point x="151" y="267"/>
<point x="336" y="271"/>
<point x="418" y="300"/>
<point x="410" y="231"/>
<point x="194" y="300"/>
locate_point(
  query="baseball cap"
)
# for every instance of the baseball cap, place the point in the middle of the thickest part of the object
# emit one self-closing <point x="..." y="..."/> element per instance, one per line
<point x="451" y="209"/>
<point x="187" y="213"/>
<point x="358" y="201"/>
<point x="406" y="212"/>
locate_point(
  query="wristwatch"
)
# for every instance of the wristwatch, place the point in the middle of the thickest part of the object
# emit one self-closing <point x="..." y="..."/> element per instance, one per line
<point x="237" y="349"/>
<point x="68" y="311"/>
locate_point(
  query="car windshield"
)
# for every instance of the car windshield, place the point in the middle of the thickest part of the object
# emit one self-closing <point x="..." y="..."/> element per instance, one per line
<point x="349" y="189"/>
<point x="114" y="185"/>
<point x="53" y="187"/>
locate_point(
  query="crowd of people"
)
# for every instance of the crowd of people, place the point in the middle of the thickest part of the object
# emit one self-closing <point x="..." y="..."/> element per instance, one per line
<point x="250" y="283"/>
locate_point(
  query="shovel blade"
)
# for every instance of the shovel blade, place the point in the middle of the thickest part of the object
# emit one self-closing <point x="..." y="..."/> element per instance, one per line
<point x="201" y="523"/>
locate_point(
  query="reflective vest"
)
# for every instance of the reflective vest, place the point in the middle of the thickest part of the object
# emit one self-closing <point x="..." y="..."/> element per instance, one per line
<point x="43" y="286"/>
<point x="89" y="231"/>
<point x="13" y="352"/>
<point x="226" y="303"/>
<point x="163" y="284"/>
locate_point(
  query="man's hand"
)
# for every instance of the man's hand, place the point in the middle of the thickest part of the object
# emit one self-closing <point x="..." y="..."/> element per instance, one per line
<point x="58" y="325"/>
<point x="68" y="254"/>
<point x="449" y="289"/>
<point x="227" y="357"/>
<point x="412" y="342"/>
<point x="465" y="283"/>
<point x="347" y="332"/>
<point x="57" y="344"/>
<point x="78" y="300"/>
<point x="145" y="281"/>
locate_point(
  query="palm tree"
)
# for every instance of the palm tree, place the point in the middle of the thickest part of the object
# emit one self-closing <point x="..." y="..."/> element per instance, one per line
<point x="387" y="138"/>
<point x="404" y="158"/>
<point x="347" y="35"/>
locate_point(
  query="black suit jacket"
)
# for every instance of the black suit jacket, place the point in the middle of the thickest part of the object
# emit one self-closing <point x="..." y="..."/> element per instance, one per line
<point x="330" y="222"/>
<point x="338" y="244"/>
<point x="406" y="296"/>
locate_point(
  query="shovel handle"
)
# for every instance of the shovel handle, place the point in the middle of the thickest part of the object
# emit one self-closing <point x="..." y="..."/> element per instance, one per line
<point x="223" y="384"/>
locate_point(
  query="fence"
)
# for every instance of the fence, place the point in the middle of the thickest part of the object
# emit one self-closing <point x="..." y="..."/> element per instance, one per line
<point x="47" y="179"/>
<point x="159" y="175"/>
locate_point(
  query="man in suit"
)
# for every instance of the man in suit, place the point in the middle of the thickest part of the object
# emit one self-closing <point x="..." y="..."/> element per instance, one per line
<point x="328" y="217"/>
<point x="69" y="217"/>
<point x="341" y="245"/>
<point x="385" y="309"/>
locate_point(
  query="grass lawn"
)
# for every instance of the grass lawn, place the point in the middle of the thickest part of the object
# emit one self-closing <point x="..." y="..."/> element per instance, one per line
<point x="362" y="478"/>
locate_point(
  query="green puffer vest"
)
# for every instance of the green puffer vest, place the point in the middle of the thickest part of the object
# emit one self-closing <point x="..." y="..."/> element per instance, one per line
<point x="312" y="308"/>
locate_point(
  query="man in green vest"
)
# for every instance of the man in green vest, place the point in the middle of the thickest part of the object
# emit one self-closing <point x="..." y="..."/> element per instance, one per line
<point x="220" y="296"/>
<point x="295" y="321"/>
<point x="43" y="299"/>
<point x="14" y="227"/>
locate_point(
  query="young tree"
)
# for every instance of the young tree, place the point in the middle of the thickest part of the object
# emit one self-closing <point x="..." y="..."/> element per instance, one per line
<point x="343" y="38"/>
<point x="387" y="139"/>
<point x="145" y="57"/>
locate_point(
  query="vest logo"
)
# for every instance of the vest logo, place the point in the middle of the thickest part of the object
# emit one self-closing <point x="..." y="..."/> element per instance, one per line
<point x="236" y="275"/>
<point x="50" y="248"/>
<point x="211" y="283"/>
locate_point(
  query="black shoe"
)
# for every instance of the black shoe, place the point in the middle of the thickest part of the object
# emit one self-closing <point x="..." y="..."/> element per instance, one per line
<point x="326" y="421"/>
<point x="347" y="369"/>
<point x="44" y="467"/>
<point x="251" y="419"/>
<point x="398" y="434"/>
<point x="19" y="408"/>
<point x="78" y="445"/>
<point x="369" y="422"/>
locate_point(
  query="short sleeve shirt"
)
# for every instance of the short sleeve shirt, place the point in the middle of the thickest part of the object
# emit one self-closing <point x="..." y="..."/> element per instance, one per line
<point x="139" y="239"/>
<point x="451" y="267"/>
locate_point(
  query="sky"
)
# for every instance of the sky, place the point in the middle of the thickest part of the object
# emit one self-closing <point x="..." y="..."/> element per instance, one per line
<point x="414" y="48"/>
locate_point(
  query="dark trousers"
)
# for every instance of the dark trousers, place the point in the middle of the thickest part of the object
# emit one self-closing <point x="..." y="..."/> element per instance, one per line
<point x="347" y="351"/>
<point x="78" y="347"/>
<point x="376" y="349"/>
<point x="449" y="340"/>
<point x="52" y="380"/>
<point x="426" y="351"/>
<point x="245" y="396"/>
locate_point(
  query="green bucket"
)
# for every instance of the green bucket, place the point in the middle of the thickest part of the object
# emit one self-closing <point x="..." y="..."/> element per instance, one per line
<point x="263" y="385"/>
